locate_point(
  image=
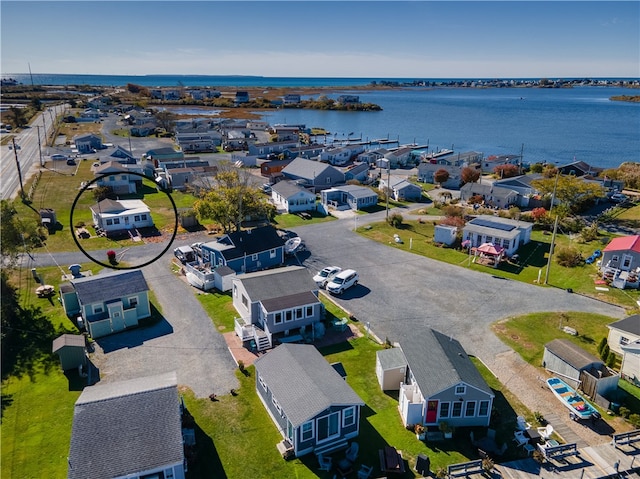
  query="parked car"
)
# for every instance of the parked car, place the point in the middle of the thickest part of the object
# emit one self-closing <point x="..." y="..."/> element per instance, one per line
<point x="618" y="198"/>
<point x="326" y="275"/>
<point x="59" y="157"/>
<point x="71" y="162"/>
<point x="266" y="188"/>
<point x="342" y="281"/>
<point x="185" y="254"/>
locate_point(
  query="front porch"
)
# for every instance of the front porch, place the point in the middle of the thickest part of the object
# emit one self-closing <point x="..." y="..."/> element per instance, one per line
<point x="621" y="279"/>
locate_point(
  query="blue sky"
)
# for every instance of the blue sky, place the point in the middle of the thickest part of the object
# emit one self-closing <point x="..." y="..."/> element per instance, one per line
<point x="454" y="39"/>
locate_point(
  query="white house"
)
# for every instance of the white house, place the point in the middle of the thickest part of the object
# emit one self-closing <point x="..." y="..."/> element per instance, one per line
<point x="116" y="216"/>
<point x="504" y="232"/>
<point x="288" y="196"/>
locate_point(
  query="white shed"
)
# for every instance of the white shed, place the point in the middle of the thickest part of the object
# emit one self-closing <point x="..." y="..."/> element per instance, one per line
<point x="391" y="368"/>
<point x="445" y="234"/>
<point x="223" y="278"/>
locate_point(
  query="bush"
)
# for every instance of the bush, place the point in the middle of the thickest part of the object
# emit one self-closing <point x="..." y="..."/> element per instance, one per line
<point x="589" y="233"/>
<point x="601" y="345"/>
<point x="611" y="359"/>
<point x="568" y="257"/>
<point x="624" y="412"/>
<point x="634" y="419"/>
<point x="605" y="352"/>
<point x="395" y="220"/>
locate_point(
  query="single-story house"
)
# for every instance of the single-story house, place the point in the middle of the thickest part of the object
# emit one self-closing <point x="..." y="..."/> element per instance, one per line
<point x="129" y="429"/>
<point x="441" y="383"/>
<point x="312" y="406"/>
<point x="579" y="368"/>
<point x="372" y="156"/>
<point x="109" y="302"/>
<point x="114" y="216"/>
<point x="400" y="188"/>
<point x="528" y="195"/>
<point x="579" y="168"/>
<point x="288" y="196"/>
<point x="304" y="151"/>
<point x="246" y="251"/>
<point x="399" y="157"/>
<point x="143" y="130"/>
<point x="120" y="155"/>
<point x="426" y="172"/>
<point x="270" y="148"/>
<point x="274" y="303"/>
<point x="199" y="142"/>
<point x="489" y="163"/>
<point x="348" y="197"/>
<point x="164" y="154"/>
<point x="116" y="176"/>
<point x="358" y="172"/>
<point x="630" y="368"/>
<point x="269" y="169"/>
<point x="623" y="333"/>
<point x="87" y="143"/>
<point x="504" y="232"/>
<point x="313" y="174"/>
<point x="622" y="253"/>
<point x="71" y="350"/>
<point x="492" y="194"/>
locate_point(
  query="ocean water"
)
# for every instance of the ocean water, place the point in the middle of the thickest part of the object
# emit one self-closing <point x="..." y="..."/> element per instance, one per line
<point x="546" y="125"/>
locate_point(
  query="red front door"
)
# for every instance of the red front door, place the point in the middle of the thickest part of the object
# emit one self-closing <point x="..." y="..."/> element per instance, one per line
<point x="432" y="412"/>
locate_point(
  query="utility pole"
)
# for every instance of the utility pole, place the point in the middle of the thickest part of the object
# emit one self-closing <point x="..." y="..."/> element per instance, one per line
<point x="555" y="229"/>
<point x="15" y="152"/>
<point x="388" y="188"/>
<point x="39" y="145"/>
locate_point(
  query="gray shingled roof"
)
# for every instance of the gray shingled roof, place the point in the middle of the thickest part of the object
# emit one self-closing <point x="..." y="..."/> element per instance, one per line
<point x="303" y="382"/>
<point x="290" y="301"/>
<point x="308" y="169"/>
<point x="571" y="353"/>
<point x="274" y="283"/>
<point x="109" y="286"/>
<point x="126" y="427"/>
<point x="289" y="188"/>
<point x="439" y="362"/>
<point x="67" y="340"/>
<point x="630" y="324"/>
<point x="357" y="191"/>
<point x="392" y="358"/>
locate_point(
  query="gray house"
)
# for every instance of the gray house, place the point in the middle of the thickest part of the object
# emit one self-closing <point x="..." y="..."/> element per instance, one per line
<point x="288" y="196"/>
<point x="491" y="194"/>
<point x="358" y="172"/>
<point x="245" y="251"/>
<point x="620" y="262"/>
<point x="129" y="429"/>
<point x="313" y="174"/>
<point x="442" y="384"/>
<point x="313" y="408"/>
<point x="400" y="188"/>
<point x="579" y="368"/>
<point x="108" y="302"/>
<point x="348" y="197"/>
<point x="87" y="143"/>
<point x="272" y="304"/>
<point x="427" y="171"/>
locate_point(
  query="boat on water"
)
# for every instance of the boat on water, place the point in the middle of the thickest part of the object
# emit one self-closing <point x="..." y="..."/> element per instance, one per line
<point x="572" y="400"/>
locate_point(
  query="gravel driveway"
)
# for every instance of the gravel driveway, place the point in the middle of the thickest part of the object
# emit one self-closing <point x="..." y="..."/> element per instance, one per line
<point x="185" y="342"/>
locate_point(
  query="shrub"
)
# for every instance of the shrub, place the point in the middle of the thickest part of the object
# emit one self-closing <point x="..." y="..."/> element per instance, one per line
<point x="611" y="359"/>
<point x="475" y="199"/>
<point x="634" y="419"/>
<point x="451" y="210"/>
<point x="605" y="352"/>
<point x="601" y="345"/>
<point x="111" y="256"/>
<point x="590" y="233"/>
<point x="568" y="256"/>
<point x="395" y="220"/>
<point x="624" y="412"/>
<point x="538" y="213"/>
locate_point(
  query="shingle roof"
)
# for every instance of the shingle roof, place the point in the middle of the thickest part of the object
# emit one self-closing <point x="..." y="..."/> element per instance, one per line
<point x="303" y="382"/>
<point x="275" y="283"/>
<point x="289" y="301"/>
<point x="60" y="342"/>
<point x="308" y="169"/>
<point x="392" y="358"/>
<point x="439" y="362"/>
<point x="630" y="324"/>
<point x="289" y="188"/>
<point x="357" y="191"/>
<point x="250" y="242"/>
<point x="109" y="286"/>
<point x="126" y="427"/>
<point x="624" y="243"/>
<point x="571" y="353"/>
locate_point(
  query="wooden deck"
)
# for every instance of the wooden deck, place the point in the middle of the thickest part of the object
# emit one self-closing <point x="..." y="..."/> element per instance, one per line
<point x="590" y="463"/>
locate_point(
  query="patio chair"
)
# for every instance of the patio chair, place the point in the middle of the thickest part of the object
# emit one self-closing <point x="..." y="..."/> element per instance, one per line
<point x="519" y="438"/>
<point x="325" y="462"/>
<point x="352" y="452"/>
<point x="529" y="448"/>
<point x="523" y="425"/>
<point x="545" y="432"/>
<point x="365" y="472"/>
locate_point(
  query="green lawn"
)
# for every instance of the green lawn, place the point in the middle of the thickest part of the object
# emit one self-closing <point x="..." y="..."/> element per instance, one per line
<point x="417" y="238"/>
<point x="288" y="220"/>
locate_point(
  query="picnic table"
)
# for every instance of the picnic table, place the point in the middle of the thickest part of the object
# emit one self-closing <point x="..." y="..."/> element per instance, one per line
<point x="391" y="460"/>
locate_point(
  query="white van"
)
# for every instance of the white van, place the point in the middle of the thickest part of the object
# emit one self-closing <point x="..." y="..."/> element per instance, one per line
<point x="343" y="281"/>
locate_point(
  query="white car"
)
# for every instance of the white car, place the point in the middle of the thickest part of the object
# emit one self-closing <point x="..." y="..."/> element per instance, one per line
<point x="326" y="275"/>
<point x="342" y="281"/>
<point x="618" y="198"/>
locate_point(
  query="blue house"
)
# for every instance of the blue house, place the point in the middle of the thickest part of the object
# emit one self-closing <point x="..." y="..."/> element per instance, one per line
<point x="312" y="406"/>
<point x="245" y="251"/>
<point x="109" y="302"/>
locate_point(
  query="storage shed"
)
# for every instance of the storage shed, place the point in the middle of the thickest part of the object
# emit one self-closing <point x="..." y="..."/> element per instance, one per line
<point x="391" y="368"/>
<point x="71" y="350"/>
<point x="445" y="234"/>
<point x="580" y="369"/>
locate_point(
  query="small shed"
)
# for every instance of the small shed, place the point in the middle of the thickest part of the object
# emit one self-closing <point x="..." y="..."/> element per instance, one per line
<point x="577" y="367"/>
<point x="71" y="350"/>
<point x="223" y="278"/>
<point x="48" y="218"/>
<point x="445" y="234"/>
<point x="391" y="368"/>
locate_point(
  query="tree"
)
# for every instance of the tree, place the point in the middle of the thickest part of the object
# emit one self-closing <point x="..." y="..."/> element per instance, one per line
<point x="441" y="176"/>
<point x="36" y="104"/>
<point x="506" y="171"/>
<point x="536" y="168"/>
<point x="18" y="116"/>
<point x="166" y="119"/>
<point x="538" y="213"/>
<point x="19" y="233"/>
<point x="627" y="172"/>
<point x="572" y="192"/>
<point x="469" y="175"/>
<point x="231" y="198"/>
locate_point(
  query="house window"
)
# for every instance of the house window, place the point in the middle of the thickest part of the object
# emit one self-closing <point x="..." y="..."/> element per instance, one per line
<point x="116" y="221"/>
<point x="116" y="314"/>
<point x="299" y="313"/>
<point x="309" y="311"/>
<point x="143" y="217"/>
<point x="277" y="318"/>
<point x="288" y="315"/>
<point x="328" y="180"/>
<point x="307" y="431"/>
<point x="97" y="309"/>
<point x="489" y="239"/>
<point x="444" y="409"/>
<point x="470" y="409"/>
<point x="483" y="410"/>
<point x="348" y="417"/>
<point x="133" y="301"/>
<point x="254" y="257"/>
<point x="205" y="254"/>
<point x="245" y="301"/>
<point x="276" y="404"/>
<point x="615" y="258"/>
<point x="136" y="218"/>
<point x="328" y="427"/>
<point x="457" y="409"/>
<point x="624" y="340"/>
<point x="505" y="243"/>
<point x="235" y="291"/>
<point x="626" y="261"/>
<point x="109" y="222"/>
<point x="272" y="253"/>
<point x="262" y="383"/>
<point x="461" y="389"/>
<point x="112" y="178"/>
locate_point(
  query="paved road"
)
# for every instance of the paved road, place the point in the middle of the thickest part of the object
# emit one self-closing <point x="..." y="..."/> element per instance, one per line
<point x="401" y="293"/>
<point x="185" y="342"/>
